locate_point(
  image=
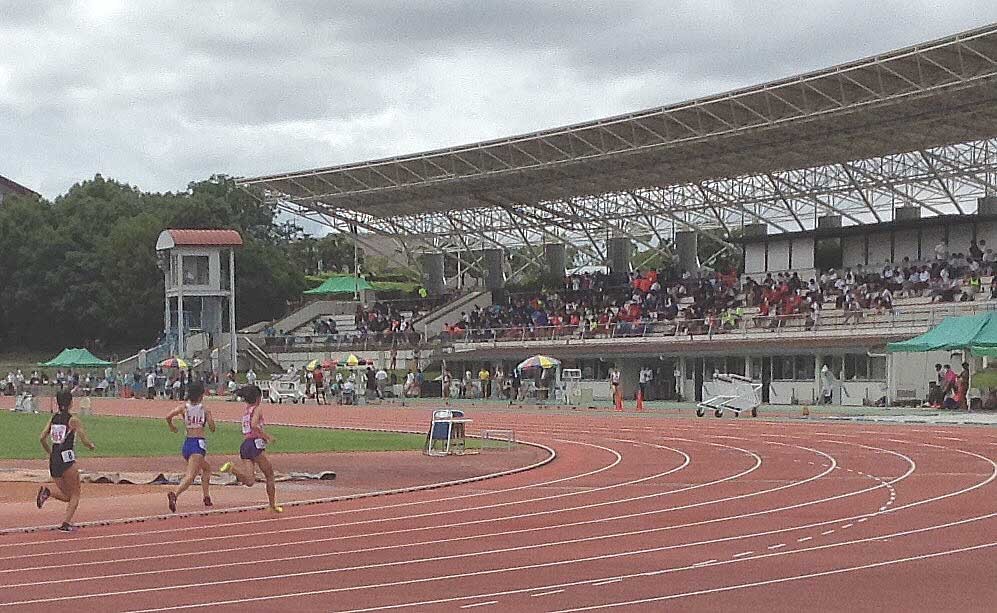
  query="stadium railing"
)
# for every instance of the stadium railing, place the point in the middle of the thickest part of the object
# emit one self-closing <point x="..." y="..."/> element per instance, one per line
<point x="869" y="322"/>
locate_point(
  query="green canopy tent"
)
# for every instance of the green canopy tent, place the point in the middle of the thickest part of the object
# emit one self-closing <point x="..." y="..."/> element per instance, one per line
<point x="341" y="285"/>
<point x="76" y="358"/>
<point x="976" y="333"/>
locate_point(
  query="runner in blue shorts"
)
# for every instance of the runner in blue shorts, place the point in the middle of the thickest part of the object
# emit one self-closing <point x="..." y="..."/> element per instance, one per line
<point x="195" y="448"/>
<point x="253" y="450"/>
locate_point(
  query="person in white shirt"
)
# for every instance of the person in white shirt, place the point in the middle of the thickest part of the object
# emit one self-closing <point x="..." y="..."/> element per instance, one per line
<point x="942" y="251"/>
<point x="646" y="375"/>
<point x="381" y="378"/>
<point x="251" y="377"/>
<point x="614" y="381"/>
<point x="150" y="385"/>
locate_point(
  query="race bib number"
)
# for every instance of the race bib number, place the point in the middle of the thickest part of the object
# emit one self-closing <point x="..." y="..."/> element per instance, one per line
<point x="68" y="456"/>
<point x="58" y="433"/>
<point x="261" y="444"/>
<point x="247" y="422"/>
<point x="202" y="444"/>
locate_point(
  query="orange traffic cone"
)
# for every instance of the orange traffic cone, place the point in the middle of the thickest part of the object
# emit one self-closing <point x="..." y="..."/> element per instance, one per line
<point x="640" y="401"/>
<point x="619" y="401"/>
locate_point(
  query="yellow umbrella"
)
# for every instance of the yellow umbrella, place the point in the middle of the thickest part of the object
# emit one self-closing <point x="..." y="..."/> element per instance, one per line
<point x="352" y="360"/>
<point x="312" y="365"/>
<point x="538" y="361"/>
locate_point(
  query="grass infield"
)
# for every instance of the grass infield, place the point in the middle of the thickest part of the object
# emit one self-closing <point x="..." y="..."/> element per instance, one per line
<point x="144" y="437"/>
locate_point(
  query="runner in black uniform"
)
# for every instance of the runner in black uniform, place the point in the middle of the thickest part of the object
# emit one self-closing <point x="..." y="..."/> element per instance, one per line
<point x="59" y="441"/>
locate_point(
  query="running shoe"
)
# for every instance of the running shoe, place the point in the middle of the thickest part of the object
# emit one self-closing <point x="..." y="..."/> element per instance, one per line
<point x="171" y="499"/>
<point x="225" y="468"/>
<point x="43" y="494"/>
<point x="277" y="509"/>
<point x="67" y="527"/>
<point x="207" y="501"/>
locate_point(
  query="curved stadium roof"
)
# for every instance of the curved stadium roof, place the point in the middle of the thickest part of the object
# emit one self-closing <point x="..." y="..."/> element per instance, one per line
<point x="919" y="97"/>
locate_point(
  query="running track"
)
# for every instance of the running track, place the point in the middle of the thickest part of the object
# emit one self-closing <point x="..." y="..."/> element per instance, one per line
<point x="633" y="514"/>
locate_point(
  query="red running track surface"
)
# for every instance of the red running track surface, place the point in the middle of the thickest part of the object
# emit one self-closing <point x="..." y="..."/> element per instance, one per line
<point x="634" y="514"/>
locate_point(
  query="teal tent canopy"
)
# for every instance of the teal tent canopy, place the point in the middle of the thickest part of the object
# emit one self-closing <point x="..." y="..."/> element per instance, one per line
<point x="76" y="358"/>
<point x="341" y="285"/>
<point x="977" y="333"/>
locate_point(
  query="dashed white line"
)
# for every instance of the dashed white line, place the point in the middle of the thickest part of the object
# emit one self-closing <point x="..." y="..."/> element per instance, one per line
<point x="742" y="554"/>
<point x="803" y="539"/>
<point x="608" y="581"/>
<point x="847" y="526"/>
<point x="862" y="519"/>
<point x="550" y="593"/>
<point x="777" y="546"/>
<point x="704" y="563"/>
<point x="826" y="532"/>
<point x="479" y="604"/>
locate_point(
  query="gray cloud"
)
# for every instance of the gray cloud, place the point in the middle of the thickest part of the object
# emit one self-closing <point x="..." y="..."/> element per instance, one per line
<point x="159" y="94"/>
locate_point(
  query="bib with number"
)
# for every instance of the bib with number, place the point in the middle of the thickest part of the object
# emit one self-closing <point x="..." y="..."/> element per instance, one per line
<point x="261" y="444"/>
<point x="57" y="433"/>
<point x="68" y="456"/>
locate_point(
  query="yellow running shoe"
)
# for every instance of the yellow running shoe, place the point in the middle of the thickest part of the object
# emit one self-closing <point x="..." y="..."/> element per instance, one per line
<point x="277" y="509"/>
<point x="226" y="467"/>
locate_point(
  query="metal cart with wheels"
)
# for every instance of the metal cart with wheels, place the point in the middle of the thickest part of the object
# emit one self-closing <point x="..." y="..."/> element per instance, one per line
<point x="736" y="392"/>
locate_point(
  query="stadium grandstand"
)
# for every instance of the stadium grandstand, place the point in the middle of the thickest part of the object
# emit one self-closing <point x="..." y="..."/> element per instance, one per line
<point x="861" y="201"/>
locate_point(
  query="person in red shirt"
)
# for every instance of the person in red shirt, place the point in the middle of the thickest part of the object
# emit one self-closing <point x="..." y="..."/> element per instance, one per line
<point x="319" y="380"/>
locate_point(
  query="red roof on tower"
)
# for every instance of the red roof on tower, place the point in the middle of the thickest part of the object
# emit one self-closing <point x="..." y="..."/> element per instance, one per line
<point x="198" y="238"/>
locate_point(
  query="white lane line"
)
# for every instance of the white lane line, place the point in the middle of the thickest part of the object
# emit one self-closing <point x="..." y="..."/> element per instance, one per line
<point x="847" y="526"/>
<point x="756" y="466"/>
<point x="826" y="573"/>
<point x="742" y="554"/>
<point x="309" y="556"/>
<point x="362" y="510"/>
<point x="777" y="546"/>
<point x="479" y="604"/>
<point x="862" y="519"/>
<point x="788" y="552"/>
<point x="803" y="539"/>
<point x="608" y="581"/>
<point x="550" y="593"/>
<point x="910" y="471"/>
<point x="826" y="532"/>
<point x="704" y="563"/>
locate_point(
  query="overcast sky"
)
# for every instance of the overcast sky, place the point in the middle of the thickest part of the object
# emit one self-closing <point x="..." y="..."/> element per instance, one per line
<point x="158" y="94"/>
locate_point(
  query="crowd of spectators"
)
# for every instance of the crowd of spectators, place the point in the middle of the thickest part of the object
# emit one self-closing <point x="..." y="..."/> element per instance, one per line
<point x="599" y="304"/>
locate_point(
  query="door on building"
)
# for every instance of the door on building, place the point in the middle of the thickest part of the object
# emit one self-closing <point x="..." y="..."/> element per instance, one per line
<point x="766" y="378"/>
<point x="664" y="384"/>
<point x="697" y="378"/>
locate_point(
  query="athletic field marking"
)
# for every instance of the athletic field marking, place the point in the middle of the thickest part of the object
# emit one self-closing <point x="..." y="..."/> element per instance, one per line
<point x="479" y="604"/>
<point x="847" y="526"/>
<point x="608" y="581"/>
<point x="728" y="588"/>
<point x="826" y="532"/>
<point x="550" y="593"/>
<point x="739" y="536"/>
<point x="705" y="563"/>
<point x="803" y="539"/>
<point x="777" y="546"/>
<point x="742" y="554"/>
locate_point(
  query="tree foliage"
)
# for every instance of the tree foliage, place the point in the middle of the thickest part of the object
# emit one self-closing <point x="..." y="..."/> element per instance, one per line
<point x="82" y="270"/>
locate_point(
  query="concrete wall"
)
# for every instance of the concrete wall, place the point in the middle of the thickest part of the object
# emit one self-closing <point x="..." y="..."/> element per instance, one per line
<point x="778" y="255"/>
<point x="754" y="258"/>
<point x="880" y="249"/>
<point x="852" y="251"/>
<point x="905" y="244"/>
<point x="803" y="253"/>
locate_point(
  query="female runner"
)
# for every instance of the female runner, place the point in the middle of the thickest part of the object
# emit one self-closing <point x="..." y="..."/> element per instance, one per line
<point x="253" y="450"/>
<point x="59" y="441"/>
<point x="194" y="449"/>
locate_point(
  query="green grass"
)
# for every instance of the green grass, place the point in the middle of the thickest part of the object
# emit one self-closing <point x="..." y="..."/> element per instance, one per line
<point x="140" y="437"/>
